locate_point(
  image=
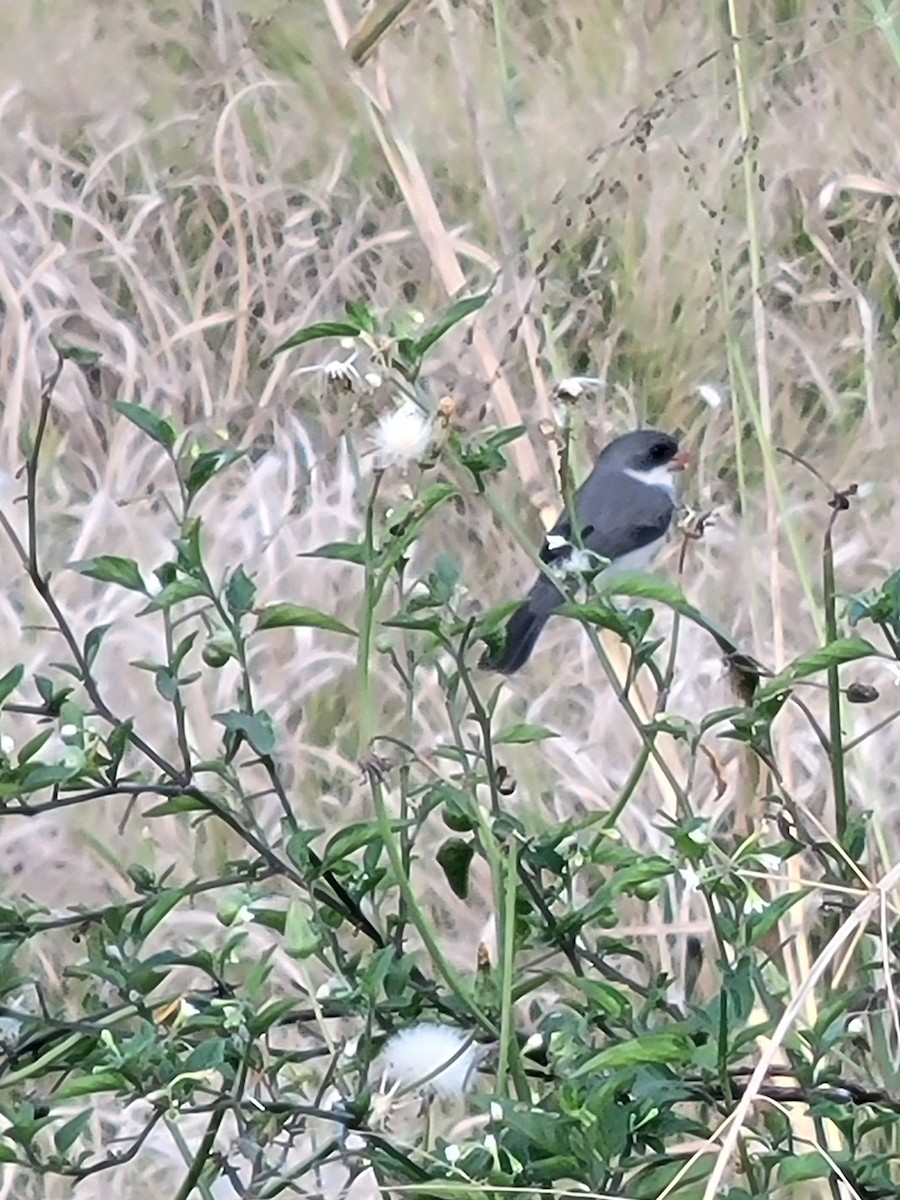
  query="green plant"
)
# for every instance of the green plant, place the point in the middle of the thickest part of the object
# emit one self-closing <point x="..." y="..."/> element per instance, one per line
<point x="596" y="1075"/>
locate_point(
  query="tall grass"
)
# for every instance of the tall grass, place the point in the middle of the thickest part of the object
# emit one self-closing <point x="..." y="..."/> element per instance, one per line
<point x="658" y="196"/>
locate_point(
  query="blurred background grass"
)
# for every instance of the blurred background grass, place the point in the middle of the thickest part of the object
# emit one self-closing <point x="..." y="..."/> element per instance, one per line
<point x="655" y="202"/>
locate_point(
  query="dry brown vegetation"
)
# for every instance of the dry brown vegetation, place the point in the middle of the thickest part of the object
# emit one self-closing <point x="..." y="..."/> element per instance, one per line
<point x="185" y="184"/>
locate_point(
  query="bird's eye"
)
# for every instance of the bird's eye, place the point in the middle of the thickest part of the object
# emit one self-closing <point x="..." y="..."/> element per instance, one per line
<point x="661" y="452"/>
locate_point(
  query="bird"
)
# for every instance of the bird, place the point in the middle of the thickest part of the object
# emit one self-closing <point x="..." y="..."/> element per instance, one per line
<point x="623" y="511"/>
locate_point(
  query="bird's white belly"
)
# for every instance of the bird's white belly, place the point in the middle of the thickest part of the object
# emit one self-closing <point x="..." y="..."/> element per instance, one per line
<point x="640" y="559"/>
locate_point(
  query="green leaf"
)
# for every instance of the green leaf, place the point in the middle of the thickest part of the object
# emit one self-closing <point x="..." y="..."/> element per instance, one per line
<point x="842" y="650"/>
<point x="278" y="616"/>
<point x="761" y="924"/>
<point x="352" y="837"/>
<point x="312" y="333"/>
<point x="68" y="1134"/>
<point x="177" y="804"/>
<point x="88" y="1085"/>
<point x="298" y="847"/>
<point x="92" y="642"/>
<point x="10" y="681"/>
<point x="353" y="552"/>
<point x="182" y="650"/>
<point x="271" y="1011"/>
<point x="457" y="312"/>
<point x="424" y="622"/>
<point x="481" y="457"/>
<point x="240" y="593"/>
<point x="110" y="568"/>
<point x="408" y="520"/>
<point x="80" y="355"/>
<point x="158" y="428"/>
<point x="652" y="1048"/>
<point x="255" y="727"/>
<point x="798" y="1168"/>
<point x="455" y="858"/>
<point x="166" y="683"/>
<point x="208" y="464"/>
<point x="651" y="587"/>
<point x="516" y="734"/>
<point x="207" y="1056"/>
<point x="174" y="593"/>
<point x="300" y="938"/>
<point x="34" y="744"/>
<point x="43" y="775"/>
<point x="147" y="919"/>
<point x="188" y="553"/>
<point x="360" y="315"/>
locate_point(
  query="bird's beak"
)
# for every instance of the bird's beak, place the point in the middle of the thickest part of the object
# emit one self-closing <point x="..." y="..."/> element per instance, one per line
<point x="681" y="460"/>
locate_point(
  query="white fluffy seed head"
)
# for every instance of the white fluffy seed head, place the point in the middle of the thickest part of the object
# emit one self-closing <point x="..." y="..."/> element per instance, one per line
<point x="711" y="395"/>
<point x="430" y="1057"/>
<point x="402" y="436"/>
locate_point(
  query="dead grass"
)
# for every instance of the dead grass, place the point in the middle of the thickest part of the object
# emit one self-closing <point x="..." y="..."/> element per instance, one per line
<point x="182" y="189"/>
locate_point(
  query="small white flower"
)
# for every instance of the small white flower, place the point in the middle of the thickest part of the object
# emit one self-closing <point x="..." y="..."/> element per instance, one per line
<point x="452" y="1153"/>
<point x="73" y="758"/>
<point x="402" y="436"/>
<point x="755" y="902"/>
<point x="332" y="987"/>
<point x="535" y="1042"/>
<point x="856" y="1025"/>
<point x="7" y="745"/>
<point x="770" y="863"/>
<point x="68" y="731"/>
<point x="430" y="1057"/>
<point x="496" y="1111"/>
<point x="690" y="879"/>
<point x="342" y="374"/>
<point x="372" y="379"/>
<point x="700" y="835"/>
<point x="350" y="1049"/>
<point x="711" y="395"/>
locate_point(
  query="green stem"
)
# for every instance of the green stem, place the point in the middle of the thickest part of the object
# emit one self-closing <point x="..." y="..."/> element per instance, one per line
<point x="836" y="737"/>
<point x="204" y="1150"/>
<point x="370" y="600"/>
<point x="504" y="865"/>
<point x="414" y="911"/>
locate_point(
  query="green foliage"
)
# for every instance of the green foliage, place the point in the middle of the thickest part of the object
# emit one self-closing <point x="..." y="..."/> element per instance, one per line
<point x="597" y="1068"/>
<point x="398" y="349"/>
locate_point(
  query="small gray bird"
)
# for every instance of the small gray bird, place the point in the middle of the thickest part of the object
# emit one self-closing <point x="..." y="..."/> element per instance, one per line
<point x="624" y="508"/>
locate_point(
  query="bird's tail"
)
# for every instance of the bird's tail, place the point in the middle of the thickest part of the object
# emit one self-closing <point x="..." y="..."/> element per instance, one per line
<point x="524" y="627"/>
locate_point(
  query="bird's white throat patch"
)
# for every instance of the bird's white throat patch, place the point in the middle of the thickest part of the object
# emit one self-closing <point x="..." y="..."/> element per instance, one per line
<point x="659" y="477"/>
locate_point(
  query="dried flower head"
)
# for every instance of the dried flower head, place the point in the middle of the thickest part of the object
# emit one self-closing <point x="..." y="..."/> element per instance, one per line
<point x="574" y="386"/>
<point x="402" y="436"/>
<point x="447" y="408"/>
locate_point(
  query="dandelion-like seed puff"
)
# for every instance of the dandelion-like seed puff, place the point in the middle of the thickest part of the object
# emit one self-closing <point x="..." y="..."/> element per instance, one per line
<point x="432" y="1058"/>
<point x="401" y="436"/>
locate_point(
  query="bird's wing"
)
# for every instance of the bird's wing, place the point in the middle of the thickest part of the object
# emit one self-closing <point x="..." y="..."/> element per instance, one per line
<point x="617" y="514"/>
